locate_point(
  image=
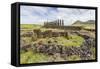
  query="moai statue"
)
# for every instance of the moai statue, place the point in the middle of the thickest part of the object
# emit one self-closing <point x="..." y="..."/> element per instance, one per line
<point x="58" y="23"/>
<point x="44" y="23"/>
<point x="62" y="22"/>
<point x="48" y="25"/>
<point x="55" y="23"/>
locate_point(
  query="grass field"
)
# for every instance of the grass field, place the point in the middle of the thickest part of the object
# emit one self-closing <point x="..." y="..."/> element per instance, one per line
<point x="30" y="26"/>
<point x="32" y="57"/>
<point x="72" y="41"/>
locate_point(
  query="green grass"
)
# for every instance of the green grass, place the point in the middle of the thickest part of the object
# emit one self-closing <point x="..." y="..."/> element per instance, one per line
<point x="73" y="58"/>
<point x="30" y="57"/>
<point x="93" y="51"/>
<point x="27" y="40"/>
<point x="72" y="41"/>
<point x="30" y="26"/>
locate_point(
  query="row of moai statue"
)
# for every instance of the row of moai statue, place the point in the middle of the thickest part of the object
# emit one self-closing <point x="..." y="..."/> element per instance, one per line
<point x="55" y="23"/>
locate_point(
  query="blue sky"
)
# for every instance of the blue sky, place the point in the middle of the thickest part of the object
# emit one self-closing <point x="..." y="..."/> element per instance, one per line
<point x="37" y="15"/>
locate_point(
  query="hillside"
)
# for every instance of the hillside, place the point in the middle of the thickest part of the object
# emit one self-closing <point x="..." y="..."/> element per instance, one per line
<point x="88" y="24"/>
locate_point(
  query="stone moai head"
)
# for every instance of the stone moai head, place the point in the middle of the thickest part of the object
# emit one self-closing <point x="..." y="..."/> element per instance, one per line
<point x="59" y="22"/>
<point x="62" y="22"/>
<point x="44" y="23"/>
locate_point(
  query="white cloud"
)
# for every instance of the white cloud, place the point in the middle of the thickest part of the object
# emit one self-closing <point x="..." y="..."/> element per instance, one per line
<point x="37" y="15"/>
<point x="71" y="15"/>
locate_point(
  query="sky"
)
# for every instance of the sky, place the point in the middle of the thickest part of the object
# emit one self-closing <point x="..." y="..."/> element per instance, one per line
<point x="38" y="15"/>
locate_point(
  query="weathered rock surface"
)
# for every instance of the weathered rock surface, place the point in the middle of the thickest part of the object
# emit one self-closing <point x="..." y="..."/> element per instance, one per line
<point x="84" y="51"/>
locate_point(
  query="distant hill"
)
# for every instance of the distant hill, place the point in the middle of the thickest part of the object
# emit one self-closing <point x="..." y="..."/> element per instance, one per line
<point x="87" y="24"/>
<point x="83" y="23"/>
<point x="91" y="21"/>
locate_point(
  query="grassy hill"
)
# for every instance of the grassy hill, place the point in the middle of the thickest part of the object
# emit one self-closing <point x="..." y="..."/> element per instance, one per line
<point x="90" y="24"/>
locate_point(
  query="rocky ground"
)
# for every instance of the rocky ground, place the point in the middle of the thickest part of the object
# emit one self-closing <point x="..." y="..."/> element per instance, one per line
<point x="59" y="52"/>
